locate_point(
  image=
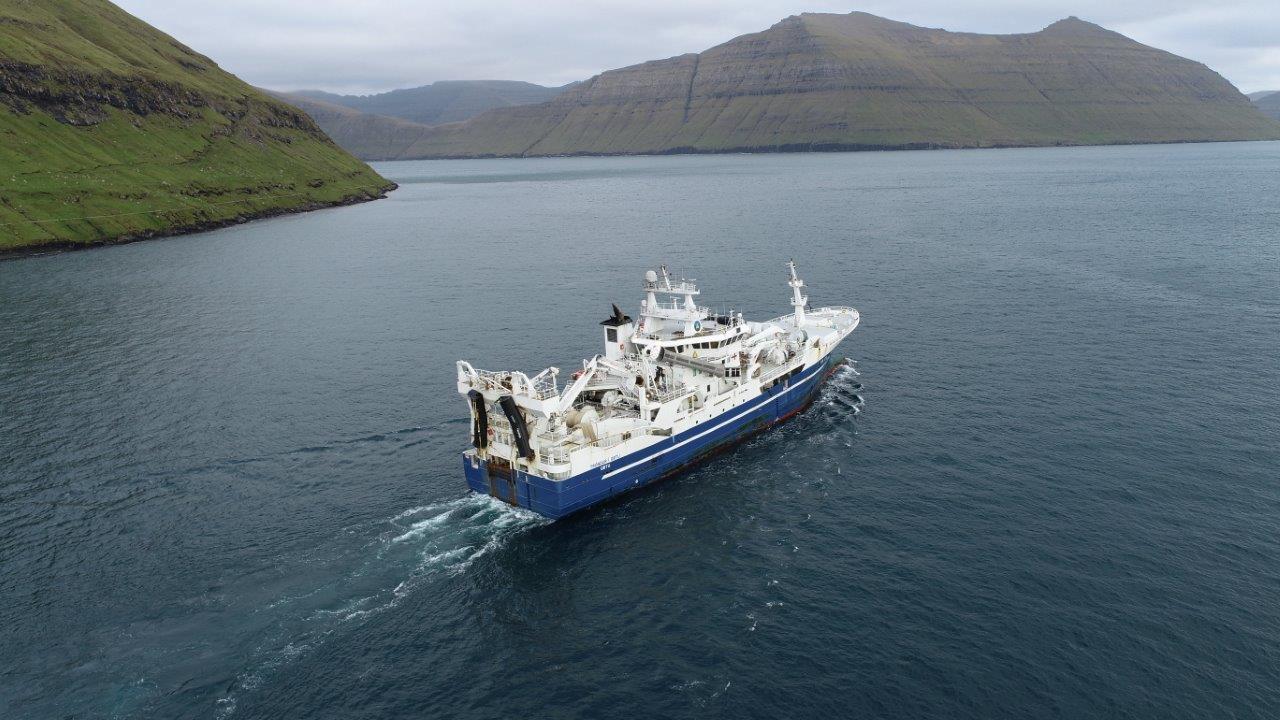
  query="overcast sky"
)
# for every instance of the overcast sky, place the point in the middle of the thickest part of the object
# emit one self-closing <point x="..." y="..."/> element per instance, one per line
<point x="361" y="46"/>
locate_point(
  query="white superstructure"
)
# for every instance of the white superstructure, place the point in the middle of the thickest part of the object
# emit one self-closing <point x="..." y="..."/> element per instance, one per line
<point x="679" y="366"/>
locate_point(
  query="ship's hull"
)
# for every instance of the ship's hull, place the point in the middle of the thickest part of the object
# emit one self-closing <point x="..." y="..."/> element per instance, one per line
<point x="558" y="498"/>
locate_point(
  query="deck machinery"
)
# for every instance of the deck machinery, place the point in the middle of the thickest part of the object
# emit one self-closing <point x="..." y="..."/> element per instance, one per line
<point x="669" y="389"/>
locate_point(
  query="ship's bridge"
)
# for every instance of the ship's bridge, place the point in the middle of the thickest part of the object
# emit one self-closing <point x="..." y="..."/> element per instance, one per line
<point x="709" y="326"/>
<point x="658" y="317"/>
<point x="673" y="310"/>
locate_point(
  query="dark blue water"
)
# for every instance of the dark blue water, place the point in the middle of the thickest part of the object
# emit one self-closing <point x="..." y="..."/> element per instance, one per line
<point x="231" y="484"/>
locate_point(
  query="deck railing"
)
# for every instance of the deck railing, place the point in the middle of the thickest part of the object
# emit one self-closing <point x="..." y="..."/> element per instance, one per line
<point x="818" y="314"/>
<point x="540" y="387"/>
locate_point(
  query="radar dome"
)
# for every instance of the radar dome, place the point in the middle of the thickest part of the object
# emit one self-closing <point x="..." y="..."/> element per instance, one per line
<point x="650" y="276"/>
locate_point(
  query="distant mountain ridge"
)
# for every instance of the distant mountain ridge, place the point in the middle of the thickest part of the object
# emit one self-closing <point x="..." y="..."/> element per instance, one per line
<point x="857" y="81"/>
<point x="384" y="126"/>
<point x="445" y="101"/>
<point x="111" y="130"/>
<point x="1268" y="103"/>
<point x="367" y="136"/>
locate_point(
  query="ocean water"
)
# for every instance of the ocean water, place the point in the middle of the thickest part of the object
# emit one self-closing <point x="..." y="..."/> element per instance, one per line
<point x="231" y="484"/>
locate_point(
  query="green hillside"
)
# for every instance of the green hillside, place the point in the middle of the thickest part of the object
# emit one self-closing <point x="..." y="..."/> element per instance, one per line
<point x="111" y="130"/>
<point x="857" y="81"/>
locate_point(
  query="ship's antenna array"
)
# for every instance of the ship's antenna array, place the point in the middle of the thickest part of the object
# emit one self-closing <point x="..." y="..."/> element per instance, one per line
<point x="798" y="301"/>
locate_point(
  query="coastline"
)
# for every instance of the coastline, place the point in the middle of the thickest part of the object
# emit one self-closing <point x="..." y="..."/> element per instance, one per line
<point x="62" y="246"/>
<point x="815" y="148"/>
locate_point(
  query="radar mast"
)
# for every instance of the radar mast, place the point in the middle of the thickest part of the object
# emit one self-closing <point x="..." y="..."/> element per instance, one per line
<point x="798" y="301"/>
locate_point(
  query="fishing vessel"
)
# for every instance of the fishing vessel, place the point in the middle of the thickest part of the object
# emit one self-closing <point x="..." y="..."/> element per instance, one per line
<point x="669" y="390"/>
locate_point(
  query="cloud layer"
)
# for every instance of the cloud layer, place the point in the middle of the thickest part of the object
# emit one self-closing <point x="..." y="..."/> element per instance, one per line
<point x="375" y="45"/>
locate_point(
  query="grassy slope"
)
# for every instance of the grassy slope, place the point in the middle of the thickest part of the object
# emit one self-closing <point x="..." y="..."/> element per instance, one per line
<point x="111" y="130"/>
<point x="858" y="81"/>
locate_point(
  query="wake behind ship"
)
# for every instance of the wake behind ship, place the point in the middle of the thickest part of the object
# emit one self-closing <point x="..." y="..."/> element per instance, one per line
<point x="666" y="393"/>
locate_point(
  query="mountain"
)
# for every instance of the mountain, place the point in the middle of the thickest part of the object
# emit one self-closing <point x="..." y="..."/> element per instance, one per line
<point x="111" y="131"/>
<point x="1255" y="96"/>
<point x="367" y="136"/>
<point x="1269" y="104"/>
<point x="441" y="102"/>
<point x="857" y="81"/>
<point x="385" y="126"/>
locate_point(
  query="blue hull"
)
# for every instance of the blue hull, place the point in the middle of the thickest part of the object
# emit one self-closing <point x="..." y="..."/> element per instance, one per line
<point x="558" y="498"/>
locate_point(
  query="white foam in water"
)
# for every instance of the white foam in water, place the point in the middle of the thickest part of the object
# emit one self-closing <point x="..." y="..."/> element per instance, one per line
<point x="411" y="511"/>
<point x="453" y="534"/>
<point x="422" y="527"/>
<point x="436" y="540"/>
<point x="462" y="521"/>
<point x="840" y="394"/>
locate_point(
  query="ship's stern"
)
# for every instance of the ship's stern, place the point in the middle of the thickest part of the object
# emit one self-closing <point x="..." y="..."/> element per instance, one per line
<point x="496" y="478"/>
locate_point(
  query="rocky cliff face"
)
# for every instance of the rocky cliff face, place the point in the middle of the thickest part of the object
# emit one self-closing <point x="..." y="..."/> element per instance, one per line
<point x="111" y="131"/>
<point x="856" y="81"/>
<point x="78" y="97"/>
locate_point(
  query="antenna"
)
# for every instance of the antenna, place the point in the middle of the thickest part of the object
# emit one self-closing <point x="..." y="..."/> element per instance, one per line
<point x="798" y="301"/>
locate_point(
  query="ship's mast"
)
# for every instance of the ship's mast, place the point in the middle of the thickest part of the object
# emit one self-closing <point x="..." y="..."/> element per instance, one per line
<point x="798" y="301"/>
